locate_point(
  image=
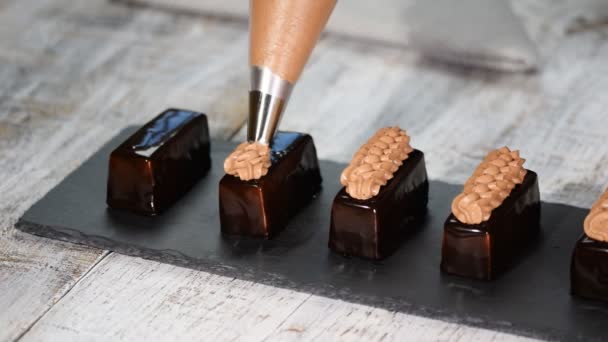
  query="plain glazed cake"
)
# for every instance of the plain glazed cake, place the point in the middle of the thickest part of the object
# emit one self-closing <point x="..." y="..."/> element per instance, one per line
<point x="159" y="163"/>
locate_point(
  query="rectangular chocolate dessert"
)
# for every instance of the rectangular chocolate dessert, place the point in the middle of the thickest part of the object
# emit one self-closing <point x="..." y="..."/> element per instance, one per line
<point x="159" y="163"/>
<point x="589" y="269"/>
<point x="262" y="207"/>
<point x="483" y="251"/>
<point x="374" y="228"/>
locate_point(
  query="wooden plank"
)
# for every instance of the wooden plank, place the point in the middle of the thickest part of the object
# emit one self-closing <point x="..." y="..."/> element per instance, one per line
<point x="133" y="299"/>
<point x="69" y="83"/>
<point x="34" y="275"/>
<point x="320" y="319"/>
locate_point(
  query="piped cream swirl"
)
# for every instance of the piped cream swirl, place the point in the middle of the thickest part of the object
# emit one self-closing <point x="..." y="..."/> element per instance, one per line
<point x="489" y="186"/>
<point x="248" y="161"/>
<point x="596" y="222"/>
<point x="376" y="162"/>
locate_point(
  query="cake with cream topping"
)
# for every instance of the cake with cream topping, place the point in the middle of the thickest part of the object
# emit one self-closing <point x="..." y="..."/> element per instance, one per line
<point x="384" y="196"/>
<point x="266" y="185"/>
<point x="589" y="267"/>
<point x="494" y="219"/>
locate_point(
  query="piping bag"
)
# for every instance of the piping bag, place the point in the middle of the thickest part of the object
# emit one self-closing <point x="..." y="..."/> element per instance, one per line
<point x="282" y="35"/>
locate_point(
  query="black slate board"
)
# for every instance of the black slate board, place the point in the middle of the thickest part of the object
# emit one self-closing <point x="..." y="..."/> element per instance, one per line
<point x="532" y="299"/>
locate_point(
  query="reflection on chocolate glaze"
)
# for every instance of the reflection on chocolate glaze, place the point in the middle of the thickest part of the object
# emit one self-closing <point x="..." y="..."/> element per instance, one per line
<point x="160" y="162"/>
<point x="262" y="207"/>
<point x="160" y="130"/>
<point x="374" y="228"/>
<point x="283" y="143"/>
<point x="485" y="250"/>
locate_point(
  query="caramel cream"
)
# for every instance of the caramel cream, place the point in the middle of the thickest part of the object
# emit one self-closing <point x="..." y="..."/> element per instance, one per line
<point x="248" y="161"/>
<point x="283" y="33"/>
<point x="490" y="184"/>
<point x="376" y="162"/>
<point x="596" y="222"/>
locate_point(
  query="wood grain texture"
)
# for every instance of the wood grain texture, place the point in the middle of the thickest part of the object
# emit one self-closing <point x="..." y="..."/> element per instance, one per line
<point x="133" y="299"/>
<point x="69" y="83"/>
<point x="34" y="275"/>
<point x="86" y="69"/>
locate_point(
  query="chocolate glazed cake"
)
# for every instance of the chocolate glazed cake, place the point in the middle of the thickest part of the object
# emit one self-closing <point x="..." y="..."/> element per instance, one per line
<point x="267" y="185"/>
<point x="159" y="163"/>
<point x="589" y="267"/>
<point x="385" y="194"/>
<point x="495" y="218"/>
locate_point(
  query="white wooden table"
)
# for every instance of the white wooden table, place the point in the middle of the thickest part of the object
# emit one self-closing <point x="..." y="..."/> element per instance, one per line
<point x="73" y="73"/>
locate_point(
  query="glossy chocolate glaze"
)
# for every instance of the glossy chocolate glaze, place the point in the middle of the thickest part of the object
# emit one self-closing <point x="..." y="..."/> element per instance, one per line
<point x="160" y="162"/>
<point x="375" y="228"/>
<point x="263" y="207"/>
<point x="589" y="269"/>
<point x="483" y="251"/>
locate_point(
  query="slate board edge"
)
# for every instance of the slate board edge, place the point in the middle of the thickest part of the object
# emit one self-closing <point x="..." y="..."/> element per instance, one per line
<point x="178" y="259"/>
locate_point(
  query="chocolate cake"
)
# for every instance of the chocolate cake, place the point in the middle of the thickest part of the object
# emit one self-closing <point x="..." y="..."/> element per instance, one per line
<point x="589" y="267"/>
<point x="493" y="220"/>
<point x="159" y="163"/>
<point x="265" y="186"/>
<point x="384" y="196"/>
